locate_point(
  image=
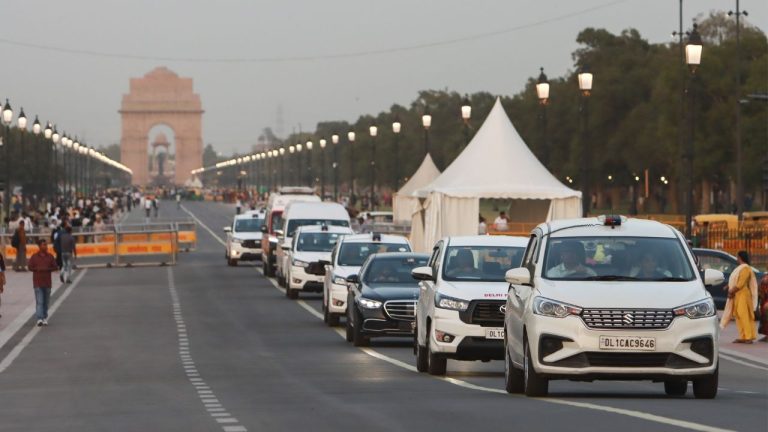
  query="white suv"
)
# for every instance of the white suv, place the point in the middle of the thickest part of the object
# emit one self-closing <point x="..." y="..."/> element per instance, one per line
<point x="610" y="298"/>
<point x="460" y="313"/>
<point x="346" y="259"/>
<point x="244" y="238"/>
<point x="310" y="244"/>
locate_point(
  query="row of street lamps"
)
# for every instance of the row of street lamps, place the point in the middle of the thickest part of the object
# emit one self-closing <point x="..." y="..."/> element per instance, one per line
<point x="74" y="172"/>
<point x="273" y="161"/>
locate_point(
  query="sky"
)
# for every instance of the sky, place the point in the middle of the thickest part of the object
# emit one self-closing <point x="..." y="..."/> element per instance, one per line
<point x="70" y="61"/>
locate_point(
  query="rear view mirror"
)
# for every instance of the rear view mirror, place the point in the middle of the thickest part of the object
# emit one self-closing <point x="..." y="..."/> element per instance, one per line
<point x="227" y="229"/>
<point x="264" y="229"/>
<point x="423" y="273"/>
<point x="316" y="268"/>
<point x="518" y="276"/>
<point x="713" y="277"/>
<point x="353" y="279"/>
<point x="279" y="233"/>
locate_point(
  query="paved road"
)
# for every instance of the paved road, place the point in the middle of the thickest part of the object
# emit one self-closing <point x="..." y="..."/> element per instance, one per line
<point x="206" y="347"/>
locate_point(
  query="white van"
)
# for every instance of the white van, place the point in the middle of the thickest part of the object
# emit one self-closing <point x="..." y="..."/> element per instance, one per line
<point x="274" y="221"/>
<point x="298" y="214"/>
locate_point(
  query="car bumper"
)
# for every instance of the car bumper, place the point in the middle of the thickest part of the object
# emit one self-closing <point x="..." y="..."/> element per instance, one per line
<point x="301" y="280"/>
<point x="337" y="301"/>
<point x="566" y="347"/>
<point x="468" y="341"/>
<point x="238" y="252"/>
<point x="377" y="323"/>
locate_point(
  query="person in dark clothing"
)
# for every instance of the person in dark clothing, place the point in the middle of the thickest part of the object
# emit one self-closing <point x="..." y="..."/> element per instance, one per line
<point x="42" y="264"/>
<point x="56" y="241"/>
<point x="68" y="254"/>
<point x="2" y="279"/>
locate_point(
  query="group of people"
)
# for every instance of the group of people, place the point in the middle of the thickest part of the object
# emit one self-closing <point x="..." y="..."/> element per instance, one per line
<point x="501" y="224"/>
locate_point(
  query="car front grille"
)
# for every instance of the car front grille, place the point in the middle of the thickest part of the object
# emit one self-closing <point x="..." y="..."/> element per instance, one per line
<point x="401" y="309"/>
<point x="649" y="319"/>
<point x="600" y="359"/>
<point x="486" y="313"/>
<point x="251" y="244"/>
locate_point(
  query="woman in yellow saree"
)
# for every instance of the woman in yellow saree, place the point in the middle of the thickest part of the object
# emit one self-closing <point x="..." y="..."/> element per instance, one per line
<point x="742" y="300"/>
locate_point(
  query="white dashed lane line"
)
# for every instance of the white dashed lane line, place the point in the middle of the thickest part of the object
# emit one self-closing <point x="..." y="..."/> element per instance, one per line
<point x="208" y="398"/>
<point x="465" y="384"/>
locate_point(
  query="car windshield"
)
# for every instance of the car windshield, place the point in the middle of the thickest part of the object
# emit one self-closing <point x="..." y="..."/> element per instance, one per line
<point x="277" y="220"/>
<point x="317" y="242"/>
<point x="617" y="258"/>
<point x="384" y="270"/>
<point x="480" y="263"/>
<point x="248" y="225"/>
<point x="295" y="223"/>
<point x="354" y="254"/>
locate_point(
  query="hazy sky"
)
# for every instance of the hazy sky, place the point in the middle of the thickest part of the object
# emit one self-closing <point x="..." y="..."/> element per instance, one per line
<point x="82" y="93"/>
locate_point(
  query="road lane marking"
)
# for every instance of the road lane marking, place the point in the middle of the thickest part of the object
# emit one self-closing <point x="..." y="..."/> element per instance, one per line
<point x="204" y="393"/>
<point x="210" y="231"/>
<point x="742" y="362"/>
<point x="591" y="406"/>
<point x="16" y="351"/>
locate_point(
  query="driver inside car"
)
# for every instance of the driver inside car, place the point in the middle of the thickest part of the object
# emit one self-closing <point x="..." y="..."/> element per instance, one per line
<point x="464" y="265"/>
<point x="572" y="258"/>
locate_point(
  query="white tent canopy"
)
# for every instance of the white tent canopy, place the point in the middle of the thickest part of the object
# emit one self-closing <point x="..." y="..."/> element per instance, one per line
<point x="402" y="202"/>
<point x="495" y="164"/>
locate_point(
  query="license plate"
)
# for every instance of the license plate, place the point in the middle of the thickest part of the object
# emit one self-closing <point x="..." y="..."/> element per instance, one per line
<point x="494" y="333"/>
<point x="628" y="343"/>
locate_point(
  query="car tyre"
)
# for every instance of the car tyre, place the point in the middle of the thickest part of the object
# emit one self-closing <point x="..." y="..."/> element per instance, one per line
<point x="349" y="334"/>
<point x="268" y="270"/>
<point x="281" y="281"/>
<point x="535" y="385"/>
<point x="514" y="379"/>
<point x="330" y="318"/>
<point x="675" y="387"/>
<point x="706" y="387"/>
<point x="436" y="365"/>
<point x="358" y="338"/>
<point x="292" y="294"/>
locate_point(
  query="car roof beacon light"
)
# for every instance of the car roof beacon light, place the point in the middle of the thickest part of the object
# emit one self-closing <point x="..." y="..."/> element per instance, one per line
<point x="611" y="220"/>
<point x="324" y="227"/>
<point x="376" y="237"/>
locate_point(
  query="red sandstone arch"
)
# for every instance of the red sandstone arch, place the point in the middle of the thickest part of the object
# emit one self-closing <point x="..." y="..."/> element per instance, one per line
<point x="161" y="97"/>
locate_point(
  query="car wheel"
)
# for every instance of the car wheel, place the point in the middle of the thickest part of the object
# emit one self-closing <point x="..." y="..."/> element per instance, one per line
<point x="422" y="362"/>
<point x="436" y="365"/>
<point x="675" y="387"/>
<point x="233" y="262"/>
<point x="333" y="319"/>
<point x="349" y="334"/>
<point x="513" y="377"/>
<point x="292" y="294"/>
<point x="358" y="338"/>
<point x="281" y="282"/>
<point x="269" y="269"/>
<point x="534" y="384"/>
<point x="706" y="387"/>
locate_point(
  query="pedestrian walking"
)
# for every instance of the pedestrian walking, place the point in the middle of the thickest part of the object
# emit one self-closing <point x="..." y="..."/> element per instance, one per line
<point x="19" y="242"/>
<point x="764" y="308"/>
<point x="178" y="200"/>
<point x="2" y="280"/>
<point x="68" y="254"/>
<point x="238" y="206"/>
<point x="147" y="208"/>
<point x="42" y="265"/>
<point x="742" y="300"/>
<point x="156" y="205"/>
<point x="56" y="242"/>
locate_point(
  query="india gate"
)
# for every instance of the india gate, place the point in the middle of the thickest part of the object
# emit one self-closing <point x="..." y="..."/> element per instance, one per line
<point x="158" y="104"/>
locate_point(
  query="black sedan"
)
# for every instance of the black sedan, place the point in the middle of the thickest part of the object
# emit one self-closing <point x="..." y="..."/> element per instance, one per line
<point x="726" y="263"/>
<point x="382" y="297"/>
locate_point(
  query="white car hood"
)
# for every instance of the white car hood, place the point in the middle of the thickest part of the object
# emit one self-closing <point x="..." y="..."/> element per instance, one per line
<point x="247" y="235"/>
<point x="474" y="290"/>
<point x="623" y="294"/>
<point x="311" y="256"/>
<point x="345" y="271"/>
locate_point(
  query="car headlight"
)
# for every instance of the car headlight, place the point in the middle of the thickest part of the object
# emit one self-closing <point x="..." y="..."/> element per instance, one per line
<point x="445" y="302"/>
<point x="338" y="280"/>
<point x="368" y="303"/>
<point x="236" y="240"/>
<point x="700" y="309"/>
<point x="299" y="263"/>
<point x="555" y="309"/>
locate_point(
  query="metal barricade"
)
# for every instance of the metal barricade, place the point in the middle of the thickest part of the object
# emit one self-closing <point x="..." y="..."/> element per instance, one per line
<point x="383" y="228"/>
<point x="187" y="235"/>
<point x="146" y="244"/>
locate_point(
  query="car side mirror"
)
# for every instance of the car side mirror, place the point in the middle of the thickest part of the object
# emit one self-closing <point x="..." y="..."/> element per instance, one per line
<point x="279" y="233"/>
<point x="316" y="268"/>
<point x="264" y="229"/>
<point x="423" y="273"/>
<point x="518" y="276"/>
<point x="713" y="277"/>
<point x="227" y="229"/>
<point x="353" y="279"/>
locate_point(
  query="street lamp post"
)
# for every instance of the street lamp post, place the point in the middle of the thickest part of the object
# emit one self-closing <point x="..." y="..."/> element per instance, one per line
<point x="426" y="122"/>
<point x="322" y="168"/>
<point x="21" y="125"/>
<point x="335" y="141"/>
<point x="55" y="138"/>
<point x="351" y="138"/>
<point x="693" y="58"/>
<point x="36" y="129"/>
<point x="542" y="91"/>
<point x="281" y="154"/>
<point x="739" y="176"/>
<point x="466" y="114"/>
<point x="585" y="85"/>
<point x="291" y="151"/>
<point x="373" y="130"/>
<point x="7" y="117"/>
<point x="299" y="147"/>
<point x="310" y="174"/>
<point x="396" y="127"/>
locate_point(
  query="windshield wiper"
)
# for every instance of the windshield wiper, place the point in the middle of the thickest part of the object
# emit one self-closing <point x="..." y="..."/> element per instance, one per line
<point x="611" y="278"/>
<point x="671" y="279"/>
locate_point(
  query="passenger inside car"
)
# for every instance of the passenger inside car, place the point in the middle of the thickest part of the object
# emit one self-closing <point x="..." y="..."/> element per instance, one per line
<point x="648" y="268"/>
<point x="572" y="257"/>
<point x="463" y="264"/>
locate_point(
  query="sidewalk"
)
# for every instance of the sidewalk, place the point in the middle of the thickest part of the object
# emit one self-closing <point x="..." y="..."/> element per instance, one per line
<point x="756" y="352"/>
<point x="18" y="302"/>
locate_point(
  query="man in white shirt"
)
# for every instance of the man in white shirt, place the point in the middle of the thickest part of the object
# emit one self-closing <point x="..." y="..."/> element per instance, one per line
<point x="572" y="256"/>
<point x="501" y="222"/>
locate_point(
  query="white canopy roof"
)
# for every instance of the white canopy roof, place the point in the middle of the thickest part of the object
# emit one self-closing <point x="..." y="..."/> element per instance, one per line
<point x="423" y="176"/>
<point x="498" y="164"/>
